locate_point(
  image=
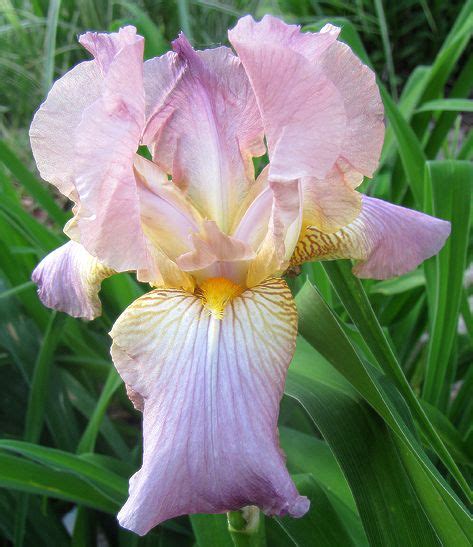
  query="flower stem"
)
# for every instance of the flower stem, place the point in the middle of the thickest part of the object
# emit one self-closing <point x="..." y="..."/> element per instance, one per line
<point x="246" y="527"/>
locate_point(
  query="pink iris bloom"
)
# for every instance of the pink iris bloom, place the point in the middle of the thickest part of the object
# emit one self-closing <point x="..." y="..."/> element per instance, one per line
<point x="204" y="354"/>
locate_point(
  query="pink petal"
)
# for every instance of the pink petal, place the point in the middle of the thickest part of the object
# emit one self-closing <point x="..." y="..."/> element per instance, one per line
<point x="105" y="145"/>
<point x="282" y="217"/>
<point x="211" y="390"/>
<point x="216" y="254"/>
<point x="167" y="217"/>
<point x="204" y="126"/>
<point x="54" y="124"/>
<point x="388" y="240"/>
<point x="105" y="47"/>
<point x="331" y="203"/>
<point x="303" y="111"/>
<point x="364" y="135"/>
<point x="69" y="280"/>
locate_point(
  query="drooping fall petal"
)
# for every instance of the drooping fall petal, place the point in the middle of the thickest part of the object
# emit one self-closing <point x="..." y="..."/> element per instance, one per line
<point x="204" y="126"/>
<point x="69" y="280"/>
<point x="303" y="112"/>
<point x="388" y="240"/>
<point x="211" y="390"/>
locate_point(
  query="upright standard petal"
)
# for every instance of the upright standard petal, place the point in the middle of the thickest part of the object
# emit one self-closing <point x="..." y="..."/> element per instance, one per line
<point x="388" y="240"/>
<point x="211" y="390"/>
<point x="364" y="135"/>
<point x="69" y="280"/>
<point x="204" y="126"/>
<point x="54" y="125"/>
<point x="106" y="140"/>
<point x="273" y="221"/>
<point x="303" y="112"/>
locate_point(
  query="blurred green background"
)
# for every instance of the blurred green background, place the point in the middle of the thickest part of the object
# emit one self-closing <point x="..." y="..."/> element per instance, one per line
<point x="377" y="417"/>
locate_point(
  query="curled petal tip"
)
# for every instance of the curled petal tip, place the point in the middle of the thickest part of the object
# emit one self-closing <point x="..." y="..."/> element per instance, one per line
<point x="300" y="507"/>
<point x="182" y="46"/>
<point x="331" y="29"/>
<point x="69" y="280"/>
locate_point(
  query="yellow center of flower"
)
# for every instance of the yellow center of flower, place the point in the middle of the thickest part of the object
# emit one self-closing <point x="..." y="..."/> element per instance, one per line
<point x="216" y="293"/>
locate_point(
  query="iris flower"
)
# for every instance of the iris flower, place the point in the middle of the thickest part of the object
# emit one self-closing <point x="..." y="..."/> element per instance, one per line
<point x="204" y="354"/>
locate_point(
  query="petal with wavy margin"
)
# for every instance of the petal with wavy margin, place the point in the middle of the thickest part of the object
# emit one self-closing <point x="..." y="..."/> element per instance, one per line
<point x="211" y="390"/>
<point x="364" y="134"/>
<point x="303" y="111"/>
<point x="52" y="130"/>
<point x="106" y="140"/>
<point x="388" y="240"/>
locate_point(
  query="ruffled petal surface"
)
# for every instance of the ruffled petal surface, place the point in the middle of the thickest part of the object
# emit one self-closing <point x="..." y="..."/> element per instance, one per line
<point x="331" y="113"/>
<point x="52" y="131"/>
<point x="210" y="390"/>
<point x="69" y="280"/>
<point x="106" y="141"/>
<point x="204" y="126"/>
<point x="388" y="240"/>
<point x="303" y="112"/>
<point x="365" y="127"/>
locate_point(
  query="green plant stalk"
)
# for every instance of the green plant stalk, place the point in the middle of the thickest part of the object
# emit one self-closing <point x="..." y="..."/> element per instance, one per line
<point x="445" y="63"/>
<point x="32" y="185"/>
<point x="410" y="150"/>
<point x="354" y="298"/>
<point x="246" y="527"/>
<point x="18" y="289"/>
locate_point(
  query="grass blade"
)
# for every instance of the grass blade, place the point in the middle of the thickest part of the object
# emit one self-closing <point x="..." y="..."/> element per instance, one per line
<point x="50" y="44"/>
<point x="450" y="105"/>
<point x="383" y="27"/>
<point x="410" y="150"/>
